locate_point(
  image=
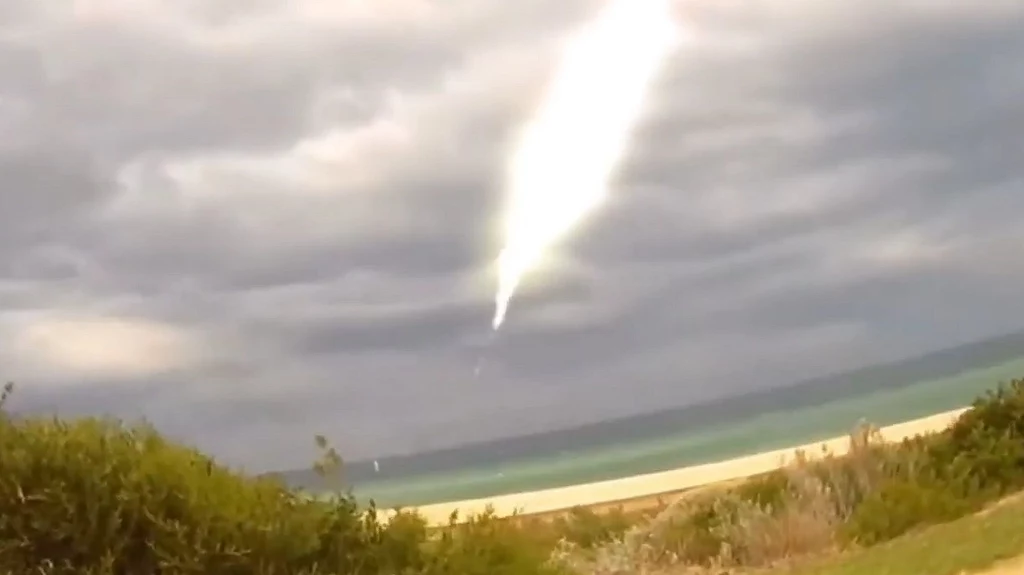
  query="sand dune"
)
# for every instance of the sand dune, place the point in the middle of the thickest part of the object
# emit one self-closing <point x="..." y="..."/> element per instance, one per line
<point x="603" y="493"/>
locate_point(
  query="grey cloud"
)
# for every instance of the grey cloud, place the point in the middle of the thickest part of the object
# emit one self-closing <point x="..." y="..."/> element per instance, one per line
<point x="88" y="82"/>
<point x="426" y="331"/>
<point x="44" y="195"/>
<point x="946" y="90"/>
<point x="742" y="224"/>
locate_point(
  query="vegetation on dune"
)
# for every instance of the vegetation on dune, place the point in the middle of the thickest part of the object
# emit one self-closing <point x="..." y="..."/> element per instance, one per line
<point x="966" y="545"/>
<point x="99" y="497"/>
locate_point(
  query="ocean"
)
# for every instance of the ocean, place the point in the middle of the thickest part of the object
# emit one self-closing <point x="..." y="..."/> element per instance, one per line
<point x="731" y="427"/>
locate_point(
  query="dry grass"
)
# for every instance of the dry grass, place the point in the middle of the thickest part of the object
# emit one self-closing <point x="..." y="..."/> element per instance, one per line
<point x="772" y="520"/>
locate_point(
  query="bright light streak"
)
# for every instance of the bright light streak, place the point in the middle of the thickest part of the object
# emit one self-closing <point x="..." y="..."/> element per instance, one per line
<point x="569" y="150"/>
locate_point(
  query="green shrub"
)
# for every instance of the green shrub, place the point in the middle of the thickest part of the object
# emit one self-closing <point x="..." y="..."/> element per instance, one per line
<point x="899" y="506"/>
<point x="489" y="545"/>
<point x="94" y="496"/>
<point x="948" y="474"/>
<point x="871" y="494"/>
<point x="97" y="497"/>
<point x="691" y="532"/>
<point x="767" y="491"/>
<point x="588" y="529"/>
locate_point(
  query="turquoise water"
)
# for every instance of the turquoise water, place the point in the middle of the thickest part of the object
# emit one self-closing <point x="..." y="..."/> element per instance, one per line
<point x="774" y="429"/>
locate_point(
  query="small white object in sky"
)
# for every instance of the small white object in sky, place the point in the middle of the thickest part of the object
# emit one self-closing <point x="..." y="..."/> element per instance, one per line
<point x="570" y="148"/>
<point x="376" y="466"/>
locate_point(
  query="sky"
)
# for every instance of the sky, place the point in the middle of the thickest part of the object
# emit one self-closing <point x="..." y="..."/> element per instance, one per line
<point x="250" y="222"/>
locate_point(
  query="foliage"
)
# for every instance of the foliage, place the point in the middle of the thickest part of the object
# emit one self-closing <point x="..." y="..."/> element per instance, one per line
<point x="588" y="529"/>
<point x="101" y="497"/>
<point x="873" y="493"/>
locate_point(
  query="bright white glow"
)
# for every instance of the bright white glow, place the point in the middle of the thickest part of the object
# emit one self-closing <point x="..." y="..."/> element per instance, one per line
<point x="569" y="150"/>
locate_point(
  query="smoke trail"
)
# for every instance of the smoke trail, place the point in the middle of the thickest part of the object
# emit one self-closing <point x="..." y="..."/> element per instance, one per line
<point x="481" y="359"/>
<point x="571" y="146"/>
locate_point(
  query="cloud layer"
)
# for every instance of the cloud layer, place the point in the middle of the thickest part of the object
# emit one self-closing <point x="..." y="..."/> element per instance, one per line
<point x="251" y="222"/>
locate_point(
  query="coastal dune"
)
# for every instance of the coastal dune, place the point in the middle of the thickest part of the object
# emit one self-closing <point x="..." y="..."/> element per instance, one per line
<point x="652" y="485"/>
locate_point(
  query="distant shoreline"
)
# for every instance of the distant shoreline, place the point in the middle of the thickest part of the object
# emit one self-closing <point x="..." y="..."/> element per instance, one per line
<point x="665" y="484"/>
<point x="688" y="435"/>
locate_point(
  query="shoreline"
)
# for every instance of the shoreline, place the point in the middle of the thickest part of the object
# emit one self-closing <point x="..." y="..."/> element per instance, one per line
<point x="667" y="484"/>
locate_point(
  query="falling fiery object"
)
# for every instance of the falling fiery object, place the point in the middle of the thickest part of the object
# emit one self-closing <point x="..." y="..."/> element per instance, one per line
<point x="568" y="151"/>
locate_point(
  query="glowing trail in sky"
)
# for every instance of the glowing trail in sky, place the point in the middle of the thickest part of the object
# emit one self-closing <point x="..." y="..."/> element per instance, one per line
<point x="570" y="148"/>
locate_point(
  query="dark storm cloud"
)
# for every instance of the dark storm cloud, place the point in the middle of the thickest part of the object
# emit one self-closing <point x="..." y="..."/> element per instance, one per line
<point x="119" y="88"/>
<point x="945" y="91"/>
<point x="310" y="200"/>
<point x="46" y="190"/>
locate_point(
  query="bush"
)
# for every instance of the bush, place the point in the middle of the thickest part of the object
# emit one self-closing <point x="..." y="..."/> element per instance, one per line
<point x="489" y="545"/>
<point x="588" y="529"/>
<point x="873" y="493"/>
<point x="900" y="505"/>
<point x="93" y="496"/>
<point x="98" y="497"/>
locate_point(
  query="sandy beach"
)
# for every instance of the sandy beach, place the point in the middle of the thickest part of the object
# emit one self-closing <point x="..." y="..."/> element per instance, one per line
<point x="647" y="489"/>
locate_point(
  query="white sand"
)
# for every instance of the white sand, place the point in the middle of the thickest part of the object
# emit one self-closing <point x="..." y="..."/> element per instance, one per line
<point x="653" y="484"/>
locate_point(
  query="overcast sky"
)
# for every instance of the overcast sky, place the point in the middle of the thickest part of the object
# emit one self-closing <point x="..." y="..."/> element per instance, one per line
<point x="252" y="221"/>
